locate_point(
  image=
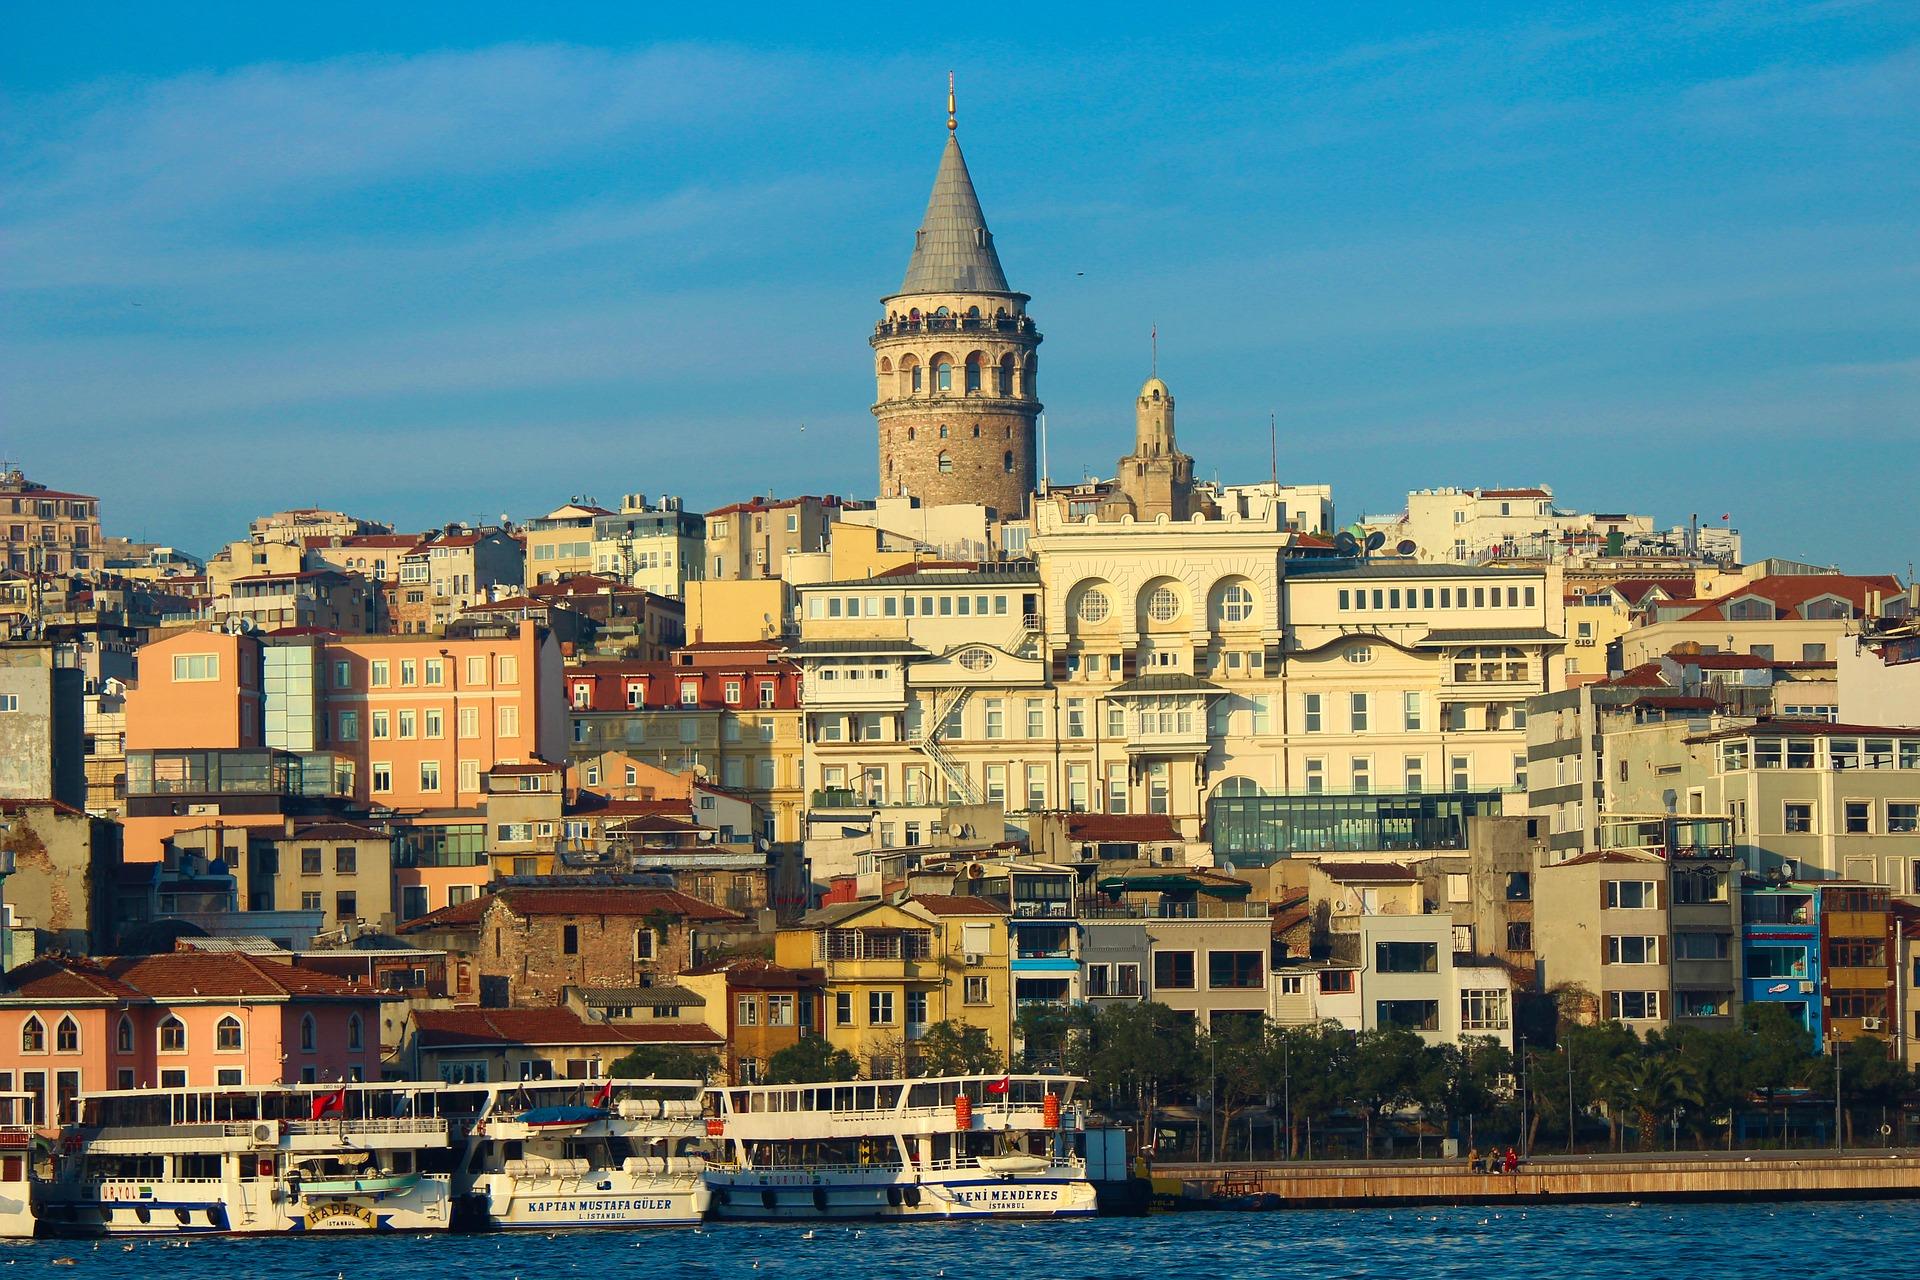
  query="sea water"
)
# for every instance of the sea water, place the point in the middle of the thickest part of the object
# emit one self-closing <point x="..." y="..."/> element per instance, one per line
<point x="1617" y="1242"/>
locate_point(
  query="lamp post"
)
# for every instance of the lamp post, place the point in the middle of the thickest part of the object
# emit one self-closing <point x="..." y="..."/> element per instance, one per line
<point x="1286" y="1089"/>
<point x="1839" y="1116"/>
<point x="1572" y="1116"/>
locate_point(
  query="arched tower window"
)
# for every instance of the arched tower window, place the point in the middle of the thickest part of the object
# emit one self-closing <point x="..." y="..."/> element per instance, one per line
<point x="909" y="435"/>
<point x="946" y="463"/>
<point x="974" y="367"/>
<point x="1003" y="379"/>
<point x="1030" y="379"/>
<point x="943" y="374"/>
<point x="1006" y="462"/>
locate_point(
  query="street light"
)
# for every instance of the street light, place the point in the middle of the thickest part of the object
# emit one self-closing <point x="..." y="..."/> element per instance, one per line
<point x="1677" y="1113"/>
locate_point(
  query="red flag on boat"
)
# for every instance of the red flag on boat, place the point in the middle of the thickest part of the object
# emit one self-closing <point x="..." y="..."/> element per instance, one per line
<point x="328" y="1103"/>
<point x="605" y="1095"/>
<point x="1002" y="1085"/>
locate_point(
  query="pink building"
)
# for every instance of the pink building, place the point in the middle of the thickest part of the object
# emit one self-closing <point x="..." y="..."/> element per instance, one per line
<point x="182" y="1019"/>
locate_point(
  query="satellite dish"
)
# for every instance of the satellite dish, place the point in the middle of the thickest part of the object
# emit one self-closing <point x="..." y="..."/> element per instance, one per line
<point x="1404" y="547"/>
<point x="1376" y="540"/>
<point x="1346" y="544"/>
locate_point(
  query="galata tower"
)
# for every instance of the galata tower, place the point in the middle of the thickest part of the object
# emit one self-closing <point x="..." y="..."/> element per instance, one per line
<point x="955" y="362"/>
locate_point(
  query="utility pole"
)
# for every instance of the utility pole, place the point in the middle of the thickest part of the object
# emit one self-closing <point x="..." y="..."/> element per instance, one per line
<point x="1571" y="1124"/>
<point x="1839" y="1123"/>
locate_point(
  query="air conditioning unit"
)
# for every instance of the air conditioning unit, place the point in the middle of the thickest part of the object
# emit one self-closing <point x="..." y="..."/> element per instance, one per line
<point x="1870" y="1024"/>
<point x="1583" y="644"/>
<point x="266" y="1133"/>
<point x="973" y="958"/>
<point x="1806" y="988"/>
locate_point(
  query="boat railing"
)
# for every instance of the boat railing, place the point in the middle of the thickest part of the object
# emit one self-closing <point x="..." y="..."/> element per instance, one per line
<point x="330" y="1127"/>
<point x="950" y="1165"/>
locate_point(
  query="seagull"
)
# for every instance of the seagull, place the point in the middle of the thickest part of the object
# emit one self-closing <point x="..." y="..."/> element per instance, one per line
<point x="808" y="1235"/>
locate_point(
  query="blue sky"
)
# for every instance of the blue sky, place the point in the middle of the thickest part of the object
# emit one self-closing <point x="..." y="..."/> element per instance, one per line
<point x="433" y="263"/>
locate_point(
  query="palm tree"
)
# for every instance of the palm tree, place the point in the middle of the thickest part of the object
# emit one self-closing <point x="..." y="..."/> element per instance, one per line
<point x="1652" y="1085"/>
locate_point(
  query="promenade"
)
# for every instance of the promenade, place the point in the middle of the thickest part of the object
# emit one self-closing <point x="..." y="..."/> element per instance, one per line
<point x="1680" y="1176"/>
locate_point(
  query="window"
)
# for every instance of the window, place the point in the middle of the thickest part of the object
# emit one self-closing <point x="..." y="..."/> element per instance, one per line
<point x="746" y="1011"/>
<point x="173" y="1035"/>
<point x="1359" y="655"/>
<point x="381" y="775"/>
<point x="408" y="724"/>
<point x="355" y="1035"/>
<point x="1406" y="957"/>
<point x="1412" y="1015"/>
<point x="1310" y="713"/>
<point x="1700" y="946"/>
<point x="1903" y="816"/>
<point x="195" y="667"/>
<point x="1357" y="703"/>
<point x="1631" y="895"/>
<point x="1857" y="953"/>
<point x="434" y="722"/>
<point x="1316" y="775"/>
<point x="226" y="1035"/>
<point x="469" y="722"/>
<point x="409" y="673"/>
<point x="1519" y="935"/>
<point x="1173" y="971"/>
<point x="377" y="673"/>
<point x="310" y="861"/>
<point x="1163" y="605"/>
<point x="66" y="1036"/>
<point x="1415" y="768"/>
<point x="1410" y="709"/>
<point x="1457" y="886"/>
<point x="123" y="1035"/>
<point x="346" y="906"/>
<point x="1229" y="970"/>
<point x="429" y="775"/>
<point x="880" y="1008"/>
<point x="346" y="860"/>
<point x="1859" y="817"/>
<point x="1362" y="775"/>
<point x="643" y="944"/>
<point x="1798" y="818"/>
<point x="349" y="726"/>
<point x="1483" y="1010"/>
<point x="1634" y="949"/>
<point x="1236" y="604"/>
<point x="1633" y="1006"/>
<point x="1094" y="607"/>
<point x="570" y="940"/>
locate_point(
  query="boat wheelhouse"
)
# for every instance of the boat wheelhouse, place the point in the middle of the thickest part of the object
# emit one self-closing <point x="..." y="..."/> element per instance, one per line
<point x="953" y="1146"/>
<point x="246" y="1160"/>
<point x="595" y="1153"/>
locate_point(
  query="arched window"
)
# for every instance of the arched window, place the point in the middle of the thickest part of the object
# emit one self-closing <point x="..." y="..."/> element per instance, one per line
<point x="354" y="1035"/>
<point x="123" y="1035"/>
<point x="308" y="1039"/>
<point x="1006" y="462"/>
<point x="943" y="374"/>
<point x="1003" y="382"/>
<point x="226" y="1034"/>
<point x="916" y="379"/>
<point x="946" y="463"/>
<point x="974" y="365"/>
<point x="909" y="435"/>
<point x="976" y="431"/>
<point x="943" y="431"/>
<point x="1238" y="786"/>
<point x="1030" y="379"/>
<point x="1234" y="603"/>
<point x="33" y="1036"/>
<point x="173" y="1035"/>
<point x="66" y="1036"/>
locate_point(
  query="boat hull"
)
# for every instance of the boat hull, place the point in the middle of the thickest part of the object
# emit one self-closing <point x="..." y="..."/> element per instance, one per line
<point x="252" y="1207"/>
<point x="798" y="1195"/>
<point x="602" y="1199"/>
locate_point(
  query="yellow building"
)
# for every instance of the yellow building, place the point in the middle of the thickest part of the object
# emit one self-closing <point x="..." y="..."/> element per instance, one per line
<point x="737" y="610"/>
<point x="894" y="968"/>
<point x="560" y="543"/>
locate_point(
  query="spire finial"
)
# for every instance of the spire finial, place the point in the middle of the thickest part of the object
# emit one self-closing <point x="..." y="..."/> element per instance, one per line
<point x="952" y="121"/>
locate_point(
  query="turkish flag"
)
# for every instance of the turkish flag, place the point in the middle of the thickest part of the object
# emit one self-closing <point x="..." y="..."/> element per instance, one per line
<point x="329" y="1103"/>
<point x="605" y="1096"/>
<point x="1002" y="1085"/>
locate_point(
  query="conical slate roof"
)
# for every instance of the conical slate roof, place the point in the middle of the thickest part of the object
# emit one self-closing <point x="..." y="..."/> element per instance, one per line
<point x="953" y="250"/>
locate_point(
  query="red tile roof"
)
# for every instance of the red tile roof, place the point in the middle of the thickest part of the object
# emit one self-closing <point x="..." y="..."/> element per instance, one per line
<point x="775" y="504"/>
<point x="178" y="975"/>
<point x="460" y="915"/>
<point x="1602" y="855"/>
<point x="947" y="904"/>
<point x="1645" y="676"/>
<point x="1774" y="726"/>
<point x="763" y="974"/>
<point x="1789" y="593"/>
<point x="604" y="900"/>
<point x="1121" y="828"/>
<point x="446" y="1028"/>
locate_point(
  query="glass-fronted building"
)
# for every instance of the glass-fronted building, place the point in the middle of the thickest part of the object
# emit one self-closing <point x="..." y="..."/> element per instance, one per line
<point x="1258" y="830"/>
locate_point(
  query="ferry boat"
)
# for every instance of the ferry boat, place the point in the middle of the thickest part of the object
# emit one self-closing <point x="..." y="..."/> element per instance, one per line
<point x="16" y="1166"/>
<point x="942" y="1147"/>
<point x="615" y="1153"/>
<point x="251" y="1160"/>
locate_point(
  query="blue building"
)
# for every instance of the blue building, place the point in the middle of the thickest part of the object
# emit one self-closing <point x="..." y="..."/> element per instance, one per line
<point x="1780" y="951"/>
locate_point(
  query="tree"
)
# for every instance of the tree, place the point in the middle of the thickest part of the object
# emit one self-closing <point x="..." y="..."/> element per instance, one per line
<point x="1235" y="1054"/>
<point x="666" y="1062"/>
<point x="1387" y="1066"/>
<point x="1136" y="1052"/>
<point x="1045" y="1034"/>
<point x="956" y="1049"/>
<point x="1460" y="1079"/>
<point x="1869" y="1077"/>
<point x="1654" y="1085"/>
<point x="1317" y="1071"/>
<point x="1779" y="1054"/>
<point x="810" y="1060"/>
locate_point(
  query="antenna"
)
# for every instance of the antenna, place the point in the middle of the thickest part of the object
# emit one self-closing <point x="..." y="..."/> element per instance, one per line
<point x="1273" y="450"/>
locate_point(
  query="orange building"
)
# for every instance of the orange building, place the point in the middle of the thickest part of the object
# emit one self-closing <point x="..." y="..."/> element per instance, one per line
<point x="253" y="729"/>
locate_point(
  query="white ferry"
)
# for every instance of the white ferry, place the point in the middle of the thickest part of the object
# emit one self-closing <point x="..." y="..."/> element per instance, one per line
<point x="251" y="1159"/>
<point x="943" y="1147"/>
<point x="16" y="1166"/>
<point x="602" y="1153"/>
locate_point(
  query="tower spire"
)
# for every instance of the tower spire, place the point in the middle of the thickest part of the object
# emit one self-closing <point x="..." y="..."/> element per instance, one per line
<point x="953" y="121"/>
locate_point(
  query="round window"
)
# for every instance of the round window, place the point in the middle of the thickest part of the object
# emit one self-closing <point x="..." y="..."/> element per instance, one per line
<point x="1359" y="654"/>
<point x="1236" y="604"/>
<point x="1094" y="607"/>
<point x="1164" y="604"/>
<point x="976" y="659"/>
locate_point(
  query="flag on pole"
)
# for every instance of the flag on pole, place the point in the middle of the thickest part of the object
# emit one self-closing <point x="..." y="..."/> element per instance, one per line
<point x="329" y="1103"/>
<point x="605" y="1095"/>
<point x="1003" y="1085"/>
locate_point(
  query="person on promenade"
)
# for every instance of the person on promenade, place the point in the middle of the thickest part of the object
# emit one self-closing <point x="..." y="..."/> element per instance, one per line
<point x="1473" y="1159"/>
<point x="1513" y="1160"/>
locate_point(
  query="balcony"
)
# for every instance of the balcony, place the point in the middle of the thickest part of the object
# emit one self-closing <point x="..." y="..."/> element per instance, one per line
<point x="1176" y="909"/>
<point x="985" y="326"/>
